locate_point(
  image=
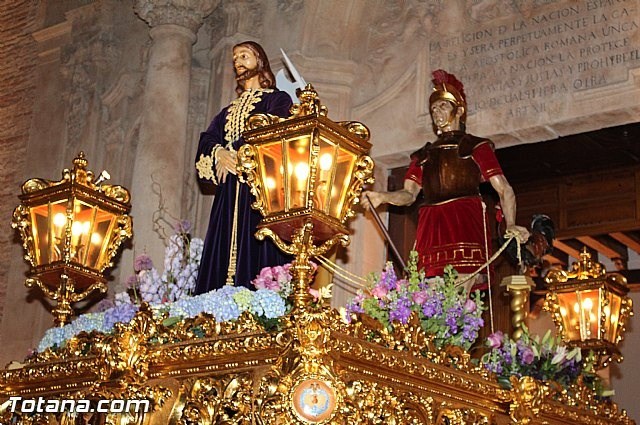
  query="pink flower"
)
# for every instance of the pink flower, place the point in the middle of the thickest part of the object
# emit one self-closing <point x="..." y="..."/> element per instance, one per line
<point x="281" y="275"/>
<point x="315" y="293"/>
<point x="380" y="291"/>
<point x="265" y="279"/>
<point x="272" y="284"/>
<point x="400" y="283"/>
<point x="470" y="306"/>
<point x="419" y="297"/>
<point x="495" y="339"/>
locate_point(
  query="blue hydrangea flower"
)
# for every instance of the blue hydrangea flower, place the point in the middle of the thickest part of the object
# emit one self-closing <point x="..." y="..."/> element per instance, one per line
<point x="267" y="303"/>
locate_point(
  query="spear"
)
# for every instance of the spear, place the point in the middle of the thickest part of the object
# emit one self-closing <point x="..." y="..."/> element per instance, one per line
<point x="385" y="232"/>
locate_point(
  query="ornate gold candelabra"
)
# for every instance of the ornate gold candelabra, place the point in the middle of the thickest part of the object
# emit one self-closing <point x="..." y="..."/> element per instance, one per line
<point x="590" y="307"/>
<point x="70" y="230"/>
<point x="306" y="173"/>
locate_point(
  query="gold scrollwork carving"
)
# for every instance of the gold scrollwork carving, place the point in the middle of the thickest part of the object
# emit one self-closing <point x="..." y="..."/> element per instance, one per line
<point x="122" y="230"/>
<point x="247" y="168"/>
<point x="363" y="173"/>
<point x="528" y="395"/>
<point x="22" y="223"/>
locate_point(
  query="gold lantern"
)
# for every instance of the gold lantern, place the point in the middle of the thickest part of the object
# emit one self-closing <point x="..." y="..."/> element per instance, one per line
<point x="306" y="173"/>
<point x="70" y="230"/>
<point x="590" y="307"/>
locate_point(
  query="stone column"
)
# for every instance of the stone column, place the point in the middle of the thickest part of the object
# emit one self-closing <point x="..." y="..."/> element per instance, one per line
<point x="160" y="157"/>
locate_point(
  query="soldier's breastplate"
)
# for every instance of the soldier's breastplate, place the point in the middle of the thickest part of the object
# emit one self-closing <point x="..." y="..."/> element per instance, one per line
<point x="446" y="176"/>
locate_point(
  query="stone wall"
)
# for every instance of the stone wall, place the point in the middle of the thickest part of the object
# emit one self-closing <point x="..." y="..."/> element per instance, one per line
<point x="17" y="62"/>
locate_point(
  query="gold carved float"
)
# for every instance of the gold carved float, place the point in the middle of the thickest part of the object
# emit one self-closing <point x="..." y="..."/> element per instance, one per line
<point x="315" y="369"/>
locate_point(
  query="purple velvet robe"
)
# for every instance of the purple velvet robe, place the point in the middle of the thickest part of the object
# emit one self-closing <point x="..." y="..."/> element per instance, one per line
<point x="252" y="255"/>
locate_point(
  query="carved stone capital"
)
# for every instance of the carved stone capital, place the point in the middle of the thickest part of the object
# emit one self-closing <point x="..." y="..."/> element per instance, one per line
<point x="186" y="13"/>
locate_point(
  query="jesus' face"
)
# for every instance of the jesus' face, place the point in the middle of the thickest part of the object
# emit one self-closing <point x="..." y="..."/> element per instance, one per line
<point x="244" y="60"/>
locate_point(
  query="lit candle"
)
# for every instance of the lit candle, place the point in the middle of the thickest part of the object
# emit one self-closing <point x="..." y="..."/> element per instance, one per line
<point x="301" y="171"/>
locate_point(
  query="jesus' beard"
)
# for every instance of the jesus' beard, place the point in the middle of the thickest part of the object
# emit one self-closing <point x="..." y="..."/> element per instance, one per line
<point x="246" y="75"/>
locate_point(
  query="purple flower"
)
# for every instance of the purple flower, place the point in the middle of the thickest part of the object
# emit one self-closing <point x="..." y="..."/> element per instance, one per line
<point x="505" y="352"/>
<point x="495" y="340"/>
<point x="355" y="306"/>
<point x="469" y="333"/>
<point x="142" y="262"/>
<point x="452" y="322"/>
<point x="388" y="277"/>
<point x="432" y="307"/>
<point x="400" y="311"/>
<point x="182" y="226"/>
<point x="494" y="367"/>
<point x="526" y="354"/>
<point x="104" y="305"/>
<point x="131" y="282"/>
<point x="122" y="313"/>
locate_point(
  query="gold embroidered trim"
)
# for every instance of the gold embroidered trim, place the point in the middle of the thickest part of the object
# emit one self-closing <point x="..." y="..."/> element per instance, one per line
<point x="205" y="168"/>
<point x="238" y="113"/>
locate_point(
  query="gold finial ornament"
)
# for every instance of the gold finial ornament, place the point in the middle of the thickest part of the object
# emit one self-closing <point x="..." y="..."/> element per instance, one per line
<point x="71" y="229"/>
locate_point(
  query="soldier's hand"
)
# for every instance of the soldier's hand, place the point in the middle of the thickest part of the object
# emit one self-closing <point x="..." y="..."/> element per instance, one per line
<point x="371" y="199"/>
<point x="518" y="231"/>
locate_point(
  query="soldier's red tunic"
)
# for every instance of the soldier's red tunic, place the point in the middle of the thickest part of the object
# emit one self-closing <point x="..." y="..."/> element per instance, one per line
<point x="450" y="224"/>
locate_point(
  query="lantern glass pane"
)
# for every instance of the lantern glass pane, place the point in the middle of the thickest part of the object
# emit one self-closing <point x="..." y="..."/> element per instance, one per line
<point x="325" y="175"/>
<point x="589" y="313"/>
<point x="40" y="232"/>
<point x="612" y="314"/>
<point x="100" y="240"/>
<point x="342" y="182"/>
<point x="91" y="232"/>
<point x="81" y="229"/>
<point x="297" y="171"/>
<point x="49" y="221"/>
<point x="272" y="170"/>
<point x="569" y="310"/>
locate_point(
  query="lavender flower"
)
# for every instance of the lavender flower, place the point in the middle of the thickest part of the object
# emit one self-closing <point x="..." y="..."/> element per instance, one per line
<point x="131" y="282"/>
<point x="443" y="309"/>
<point x="182" y="226"/>
<point x="545" y="359"/>
<point x="142" y="262"/>
<point x="121" y="313"/>
<point x="122" y="298"/>
<point x="104" y="305"/>
<point x="400" y="311"/>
